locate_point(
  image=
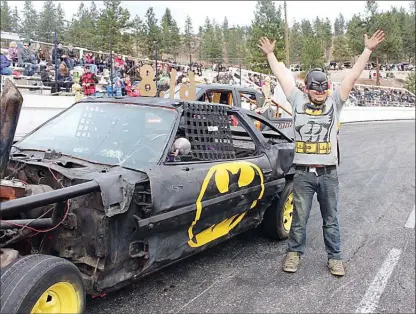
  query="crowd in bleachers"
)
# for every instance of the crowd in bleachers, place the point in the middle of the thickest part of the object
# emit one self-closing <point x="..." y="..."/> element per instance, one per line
<point x="372" y="96"/>
<point x="91" y="72"/>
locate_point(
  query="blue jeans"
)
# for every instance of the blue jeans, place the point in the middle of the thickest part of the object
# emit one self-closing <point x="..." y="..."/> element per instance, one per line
<point x="29" y="69"/>
<point x="305" y="185"/>
<point x="70" y="63"/>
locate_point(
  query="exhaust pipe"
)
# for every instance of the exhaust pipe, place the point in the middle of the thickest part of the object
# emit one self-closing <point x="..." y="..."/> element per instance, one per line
<point x="10" y="107"/>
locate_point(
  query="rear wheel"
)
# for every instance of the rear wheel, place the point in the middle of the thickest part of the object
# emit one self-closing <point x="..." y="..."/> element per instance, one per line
<point x="42" y="284"/>
<point x="278" y="217"/>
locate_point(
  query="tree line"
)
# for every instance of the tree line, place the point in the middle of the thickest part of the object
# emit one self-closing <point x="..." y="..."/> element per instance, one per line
<point x="312" y="42"/>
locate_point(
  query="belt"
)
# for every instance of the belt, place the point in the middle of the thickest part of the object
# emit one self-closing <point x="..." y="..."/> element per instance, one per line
<point x="317" y="170"/>
<point x="319" y="148"/>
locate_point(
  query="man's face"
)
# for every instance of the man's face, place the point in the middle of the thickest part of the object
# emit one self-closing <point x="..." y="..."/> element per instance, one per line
<point x="317" y="97"/>
<point x="60" y="46"/>
<point x="26" y="46"/>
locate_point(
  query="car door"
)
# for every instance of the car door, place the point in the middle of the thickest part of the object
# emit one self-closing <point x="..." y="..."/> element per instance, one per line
<point x="210" y="195"/>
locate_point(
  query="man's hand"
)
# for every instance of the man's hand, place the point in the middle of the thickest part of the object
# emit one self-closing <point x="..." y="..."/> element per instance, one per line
<point x="348" y="82"/>
<point x="266" y="46"/>
<point x="374" y="41"/>
<point x="285" y="79"/>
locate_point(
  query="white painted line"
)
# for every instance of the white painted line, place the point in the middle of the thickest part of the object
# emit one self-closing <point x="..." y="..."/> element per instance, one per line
<point x="370" y="300"/>
<point x="207" y="289"/>
<point x="410" y="223"/>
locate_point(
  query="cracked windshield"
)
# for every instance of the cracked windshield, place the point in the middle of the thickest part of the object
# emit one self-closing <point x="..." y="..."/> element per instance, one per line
<point x="108" y="133"/>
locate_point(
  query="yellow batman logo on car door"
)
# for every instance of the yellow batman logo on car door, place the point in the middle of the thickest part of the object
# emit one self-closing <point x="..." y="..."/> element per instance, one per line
<point x="240" y="175"/>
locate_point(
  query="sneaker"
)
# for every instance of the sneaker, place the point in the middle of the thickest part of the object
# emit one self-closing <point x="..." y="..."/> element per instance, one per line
<point x="291" y="262"/>
<point x="336" y="267"/>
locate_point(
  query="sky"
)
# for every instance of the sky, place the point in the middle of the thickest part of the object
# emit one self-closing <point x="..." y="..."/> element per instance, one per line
<point x="237" y="12"/>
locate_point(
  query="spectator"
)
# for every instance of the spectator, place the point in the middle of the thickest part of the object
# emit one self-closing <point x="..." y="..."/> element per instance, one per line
<point x="25" y="59"/>
<point x="181" y="77"/>
<point x="57" y="54"/>
<point x="42" y="56"/>
<point x="89" y="60"/>
<point x="71" y="56"/>
<point x="131" y="90"/>
<point x="118" y="87"/>
<point x="13" y="52"/>
<point x="163" y="83"/>
<point x="88" y="81"/>
<point x="63" y="77"/>
<point x="134" y="73"/>
<point x="45" y="74"/>
<point x="100" y="62"/>
<point x="4" y="65"/>
<point x="119" y="65"/>
<point x="129" y="63"/>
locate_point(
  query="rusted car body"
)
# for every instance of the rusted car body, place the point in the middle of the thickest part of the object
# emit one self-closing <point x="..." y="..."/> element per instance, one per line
<point x="101" y="187"/>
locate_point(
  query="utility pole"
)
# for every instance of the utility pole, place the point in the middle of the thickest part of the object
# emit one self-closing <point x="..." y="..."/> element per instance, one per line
<point x="286" y="36"/>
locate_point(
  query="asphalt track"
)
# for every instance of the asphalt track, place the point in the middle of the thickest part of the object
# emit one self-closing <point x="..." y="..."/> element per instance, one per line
<point x="243" y="275"/>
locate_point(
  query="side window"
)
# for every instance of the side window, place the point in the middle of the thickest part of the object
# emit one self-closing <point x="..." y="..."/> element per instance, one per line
<point x="208" y="135"/>
<point x="270" y="132"/>
<point x="243" y="143"/>
<point x="248" y="100"/>
<point x="218" y="97"/>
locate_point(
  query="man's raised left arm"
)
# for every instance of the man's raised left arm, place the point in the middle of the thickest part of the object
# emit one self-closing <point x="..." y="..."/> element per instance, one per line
<point x="348" y="82"/>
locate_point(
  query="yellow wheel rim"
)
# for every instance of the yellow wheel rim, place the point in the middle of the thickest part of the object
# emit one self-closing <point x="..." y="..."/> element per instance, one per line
<point x="287" y="212"/>
<point x="58" y="298"/>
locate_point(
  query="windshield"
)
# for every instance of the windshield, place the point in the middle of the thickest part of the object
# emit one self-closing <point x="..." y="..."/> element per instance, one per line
<point x="176" y="95"/>
<point x="116" y="134"/>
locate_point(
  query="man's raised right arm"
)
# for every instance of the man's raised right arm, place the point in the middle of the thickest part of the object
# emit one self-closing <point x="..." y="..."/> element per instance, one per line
<point x="278" y="68"/>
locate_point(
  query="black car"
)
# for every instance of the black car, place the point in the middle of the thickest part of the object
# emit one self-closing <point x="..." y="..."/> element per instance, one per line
<point x="111" y="190"/>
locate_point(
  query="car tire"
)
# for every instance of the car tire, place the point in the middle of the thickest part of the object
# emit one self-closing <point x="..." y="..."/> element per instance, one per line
<point x="278" y="217"/>
<point x="42" y="284"/>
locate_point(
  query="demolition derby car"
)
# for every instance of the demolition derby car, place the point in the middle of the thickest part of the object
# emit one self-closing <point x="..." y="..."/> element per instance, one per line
<point x="111" y="190"/>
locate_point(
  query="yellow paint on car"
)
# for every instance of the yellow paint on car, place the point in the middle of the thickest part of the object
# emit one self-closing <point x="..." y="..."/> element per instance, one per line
<point x="220" y="173"/>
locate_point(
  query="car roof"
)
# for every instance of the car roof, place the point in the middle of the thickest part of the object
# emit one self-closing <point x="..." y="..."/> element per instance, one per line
<point x="225" y="86"/>
<point x="149" y="101"/>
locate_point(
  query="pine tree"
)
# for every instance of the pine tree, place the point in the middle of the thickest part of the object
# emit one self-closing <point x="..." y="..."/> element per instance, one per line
<point x="138" y="34"/>
<point x="267" y="22"/>
<point x="311" y="53"/>
<point x="15" y="21"/>
<point x="355" y="34"/>
<point x="60" y="23"/>
<point x="152" y="32"/>
<point x="295" y="43"/>
<point x="207" y="41"/>
<point x="30" y="21"/>
<point x="188" y="35"/>
<point x="170" y="38"/>
<point x="236" y="45"/>
<point x="166" y="32"/>
<point x="306" y="27"/>
<point x="82" y="31"/>
<point x="218" y="49"/>
<point x="47" y="21"/>
<point x="341" y="51"/>
<point x="339" y="25"/>
<point x="6" y="17"/>
<point x="113" y="22"/>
